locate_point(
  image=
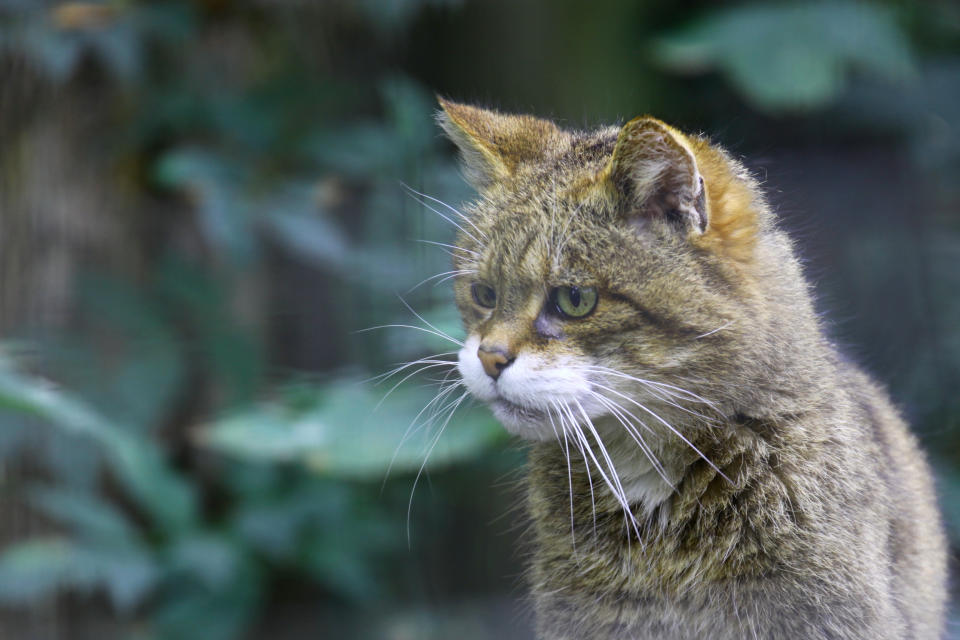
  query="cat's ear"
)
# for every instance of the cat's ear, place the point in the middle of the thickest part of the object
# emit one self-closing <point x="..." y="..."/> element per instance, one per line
<point x="493" y="145"/>
<point x="655" y="170"/>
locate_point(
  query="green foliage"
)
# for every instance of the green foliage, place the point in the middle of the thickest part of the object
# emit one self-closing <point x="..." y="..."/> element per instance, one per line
<point x="140" y="467"/>
<point x="792" y="56"/>
<point x="264" y="162"/>
<point x="312" y="429"/>
<point x="190" y="468"/>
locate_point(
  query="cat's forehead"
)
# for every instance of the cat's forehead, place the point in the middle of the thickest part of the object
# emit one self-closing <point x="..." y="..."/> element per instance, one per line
<point x="541" y="242"/>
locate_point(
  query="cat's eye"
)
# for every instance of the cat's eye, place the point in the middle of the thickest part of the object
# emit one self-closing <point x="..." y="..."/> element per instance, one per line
<point x="483" y="295"/>
<point x="574" y="302"/>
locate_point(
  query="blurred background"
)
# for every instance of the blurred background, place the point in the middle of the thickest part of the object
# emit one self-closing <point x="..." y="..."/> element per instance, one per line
<point x="203" y="203"/>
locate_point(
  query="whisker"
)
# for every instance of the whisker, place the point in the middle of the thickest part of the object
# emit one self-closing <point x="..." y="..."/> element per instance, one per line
<point x="453" y="209"/>
<point x="453" y="247"/>
<point x="442" y="280"/>
<point x="566" y="450"/>
<point x="413" y="489"/>
<point x="437" y="333"/>
<point x="586" y="463"/>
<point x="411" y="430"/>
<point x="617" y="411"/>
<point x="465" y="232"/>
<point x="616" y="488"/>
<point x="670" y="427"/>
<point x="445" y="275"/>
<point x="383" y="377"/>
<point x="410" y="375"/>
<point x="710" y="333"/>
<point x="426" y="322"/>
<point x="681" y="392"/>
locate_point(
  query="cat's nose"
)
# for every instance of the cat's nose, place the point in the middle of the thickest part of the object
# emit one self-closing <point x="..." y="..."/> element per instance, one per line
<point x="494" y="360"/>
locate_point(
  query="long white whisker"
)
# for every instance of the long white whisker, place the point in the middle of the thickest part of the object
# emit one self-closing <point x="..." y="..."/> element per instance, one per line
<point x="710" y="333"/>
<point x="560" y="406"/>
<point x="658" y="391"/>
<point x="437" y="333"/>
<point x="427" y="457"/>
<point x="667" y="388"/>
<point x="617" y="488"/>
<point x="453" y="209"/>
<point x="445" y="275"/>
<point x="442" y="280"/>
<point x="566" y="450"/>
<point x="467" y="220"/>
<point x="426" y="322"/>
<point x="431" y="359"/>
<point x="410" y="375"/>
<point x="618" y="412"/>
<point x="410" y="430"/>
<point x="670" y="427"/>
<point x="453" y="247"/>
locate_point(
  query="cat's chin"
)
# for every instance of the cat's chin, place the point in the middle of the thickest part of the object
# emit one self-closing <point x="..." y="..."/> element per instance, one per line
<point x="529" y="424"/>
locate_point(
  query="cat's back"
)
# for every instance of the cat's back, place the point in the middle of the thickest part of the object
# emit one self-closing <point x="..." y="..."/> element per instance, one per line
<point x="916" y="547"/>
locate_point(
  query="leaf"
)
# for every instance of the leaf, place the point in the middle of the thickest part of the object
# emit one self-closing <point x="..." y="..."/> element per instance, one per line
<point x="345" y="434"/>
<point x="137" y="381"/>
<point x="189" y="611"/>
<point x="212" y="182"/>
<point x="138" y="464"/>
<point x="212" y="559"/>
<point x="276" y="524"/>
<point x="86" y="514"/>
<point x="293" y="218"/>
<point x="790" y="56"/>
<point x="42" y="567"/>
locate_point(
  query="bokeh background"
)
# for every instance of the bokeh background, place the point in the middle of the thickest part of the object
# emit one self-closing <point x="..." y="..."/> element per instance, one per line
<point x="203" y="203"/>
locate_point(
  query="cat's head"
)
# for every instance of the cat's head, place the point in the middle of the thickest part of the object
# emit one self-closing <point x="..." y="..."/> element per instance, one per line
<point x="603" y="274"/>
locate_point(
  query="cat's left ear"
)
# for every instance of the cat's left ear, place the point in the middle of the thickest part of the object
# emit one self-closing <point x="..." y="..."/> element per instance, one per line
<point x="494" y="145"/>
<point x="655" y="169"/>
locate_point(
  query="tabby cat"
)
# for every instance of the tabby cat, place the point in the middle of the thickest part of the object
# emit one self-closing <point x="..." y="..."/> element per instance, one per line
<point x="704" y="463"/>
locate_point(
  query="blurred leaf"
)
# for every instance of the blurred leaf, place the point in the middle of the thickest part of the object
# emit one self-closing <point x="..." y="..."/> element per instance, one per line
<point x="293" y="218"/>
<point x="40" y="568"/>
<point x="212" y="182"/>
<point x="212" y="559"/>
<point x="343" y="435"/>
<point x="190" y="611"/>
<point x="396" y="14"/>
<point x="231" y="351"/>
<point x="800" y="66"/>
<point x="167" y="497"/>
<point x="359" y="149"/>
<point x="90" y="517"/>
<point x="139" y="369"/>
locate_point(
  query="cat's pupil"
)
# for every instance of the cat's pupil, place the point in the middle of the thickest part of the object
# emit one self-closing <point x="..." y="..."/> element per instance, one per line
<point x="575" y="296"/>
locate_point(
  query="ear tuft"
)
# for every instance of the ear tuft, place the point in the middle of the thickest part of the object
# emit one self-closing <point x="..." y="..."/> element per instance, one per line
<point x="493" y="145"/>
<point x="655" y="169"/>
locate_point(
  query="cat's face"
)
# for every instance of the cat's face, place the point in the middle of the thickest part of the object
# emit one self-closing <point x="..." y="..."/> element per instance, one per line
<point x="587" y="285"/>
<point x="561" y="301"/>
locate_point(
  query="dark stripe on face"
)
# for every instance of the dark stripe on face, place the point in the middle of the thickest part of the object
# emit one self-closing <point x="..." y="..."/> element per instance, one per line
<point x="666" y="325"/>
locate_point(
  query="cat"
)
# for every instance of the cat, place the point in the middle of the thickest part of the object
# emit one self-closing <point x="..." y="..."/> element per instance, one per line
<point x="703" y="463"/>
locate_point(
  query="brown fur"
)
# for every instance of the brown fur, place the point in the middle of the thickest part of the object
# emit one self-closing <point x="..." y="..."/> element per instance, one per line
<point x="815" y="516"/>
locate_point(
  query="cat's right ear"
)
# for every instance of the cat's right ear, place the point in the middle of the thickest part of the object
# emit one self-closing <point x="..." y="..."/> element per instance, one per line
<point x="654" y="168"/>
<point x="494" y="145"/>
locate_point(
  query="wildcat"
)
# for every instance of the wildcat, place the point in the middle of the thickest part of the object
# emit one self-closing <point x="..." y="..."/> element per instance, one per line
<point x="704" y="463"/>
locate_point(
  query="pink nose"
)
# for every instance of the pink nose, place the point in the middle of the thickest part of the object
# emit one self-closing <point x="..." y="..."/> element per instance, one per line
<point x="494" y="360"/>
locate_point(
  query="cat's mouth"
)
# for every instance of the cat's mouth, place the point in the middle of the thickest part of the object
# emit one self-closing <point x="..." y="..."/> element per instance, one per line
<point x="520" y="420"/>
<point x="501" y="404"/>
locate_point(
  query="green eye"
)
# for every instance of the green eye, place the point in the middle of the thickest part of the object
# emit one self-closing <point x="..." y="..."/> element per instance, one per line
<point x="483" y="295"/>
<point x="574" y="302"/>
